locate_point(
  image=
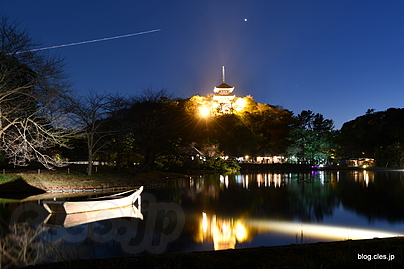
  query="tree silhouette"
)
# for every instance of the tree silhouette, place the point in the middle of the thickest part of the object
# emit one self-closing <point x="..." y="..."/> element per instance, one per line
<point x="155" y="123"/>
<point x="92" y="116"/>
<point x="31" y="86"/>
<point x="376" y="135"/>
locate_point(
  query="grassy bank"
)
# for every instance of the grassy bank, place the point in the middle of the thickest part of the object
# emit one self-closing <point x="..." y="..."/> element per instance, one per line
<point x="76" y="179"/>
<point x="346" y="254"/>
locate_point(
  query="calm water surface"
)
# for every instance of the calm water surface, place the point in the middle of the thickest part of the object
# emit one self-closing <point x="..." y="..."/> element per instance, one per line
<point x="213" y="212"/>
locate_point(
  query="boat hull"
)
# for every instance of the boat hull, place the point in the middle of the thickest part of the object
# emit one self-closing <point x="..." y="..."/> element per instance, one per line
<point x="76" y="207"/>
<point x="71" y="220"/>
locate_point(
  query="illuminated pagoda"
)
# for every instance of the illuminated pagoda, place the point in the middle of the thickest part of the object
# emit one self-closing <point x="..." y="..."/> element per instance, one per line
<point x="223" y="96"/>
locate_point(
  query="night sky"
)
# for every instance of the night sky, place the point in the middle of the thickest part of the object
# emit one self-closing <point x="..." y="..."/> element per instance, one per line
<point x="334" y="57"/>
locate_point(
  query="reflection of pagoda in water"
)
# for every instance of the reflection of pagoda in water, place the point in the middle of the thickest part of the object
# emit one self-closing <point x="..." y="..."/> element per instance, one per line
<point x="229" y="233"/>
<point x="224" y="233"/>
<point x="223" y="96"/>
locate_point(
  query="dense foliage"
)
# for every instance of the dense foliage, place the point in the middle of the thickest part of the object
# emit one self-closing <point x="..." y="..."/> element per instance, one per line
<point x="312" y="138"/>
<point x="378" y="135"/>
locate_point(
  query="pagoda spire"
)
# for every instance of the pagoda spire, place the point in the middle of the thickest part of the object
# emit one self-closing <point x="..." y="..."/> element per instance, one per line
<point x="223" y="88"/>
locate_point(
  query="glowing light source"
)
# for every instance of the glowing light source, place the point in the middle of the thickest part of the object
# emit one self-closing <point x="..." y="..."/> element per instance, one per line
<point x="240" y="104"/>
<point x="204" y="111"/>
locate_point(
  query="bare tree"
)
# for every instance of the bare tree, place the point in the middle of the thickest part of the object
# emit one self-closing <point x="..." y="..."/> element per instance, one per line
<point x="31" y="85"/>
<point x="93" y="116"/>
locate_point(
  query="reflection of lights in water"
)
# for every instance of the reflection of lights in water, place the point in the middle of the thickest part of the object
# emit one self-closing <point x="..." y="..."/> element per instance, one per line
<point x="356" y="176"/>
<point x="223" y="237"/>
<point x="239" y="179"/>
<point x="322" y="177"/>
<point x="285" y="178"/>
<point x="262" y="180"/>
<point x="204" y="222"/>
<point x="327" y="232"/>
<point x="223" y="232"/>
<point x="241" y="232"/>
<point x="259" y="179"/>
<point x="277" y="179"/>
<point x="224" y="180"/>
<point x="363" y="178"/>
<point x="366" y="177"/>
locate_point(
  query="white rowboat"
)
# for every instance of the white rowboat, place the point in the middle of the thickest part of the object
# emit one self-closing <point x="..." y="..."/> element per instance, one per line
<point x="103" y="203"/>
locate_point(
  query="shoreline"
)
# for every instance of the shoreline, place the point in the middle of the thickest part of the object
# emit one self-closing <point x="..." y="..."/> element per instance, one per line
<point x="30" y="182"/>
<point x="367" y="253"/>
<point x="76" y="182"/>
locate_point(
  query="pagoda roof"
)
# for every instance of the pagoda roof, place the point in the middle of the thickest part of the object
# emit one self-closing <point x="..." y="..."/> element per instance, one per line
<point x="224" y="85"/>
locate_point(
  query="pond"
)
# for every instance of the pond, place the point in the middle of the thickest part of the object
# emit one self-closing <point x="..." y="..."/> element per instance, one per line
<point x="213" y="212"/>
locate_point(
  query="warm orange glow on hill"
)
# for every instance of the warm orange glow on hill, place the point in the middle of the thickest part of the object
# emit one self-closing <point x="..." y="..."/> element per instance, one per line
<point x="205" y="106"/>
<point x="240" y="104"/>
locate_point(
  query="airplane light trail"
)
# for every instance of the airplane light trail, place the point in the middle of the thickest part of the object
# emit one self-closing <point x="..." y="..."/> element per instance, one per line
<point x="91" y="41"/>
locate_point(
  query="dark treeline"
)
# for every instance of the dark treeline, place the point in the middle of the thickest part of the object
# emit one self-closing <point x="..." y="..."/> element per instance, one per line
<point x="378" y="135"/>
<point x="153" y="130"/>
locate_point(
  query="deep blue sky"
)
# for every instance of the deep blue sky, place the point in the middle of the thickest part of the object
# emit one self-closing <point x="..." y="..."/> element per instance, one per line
<point x="334" y="57"/>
